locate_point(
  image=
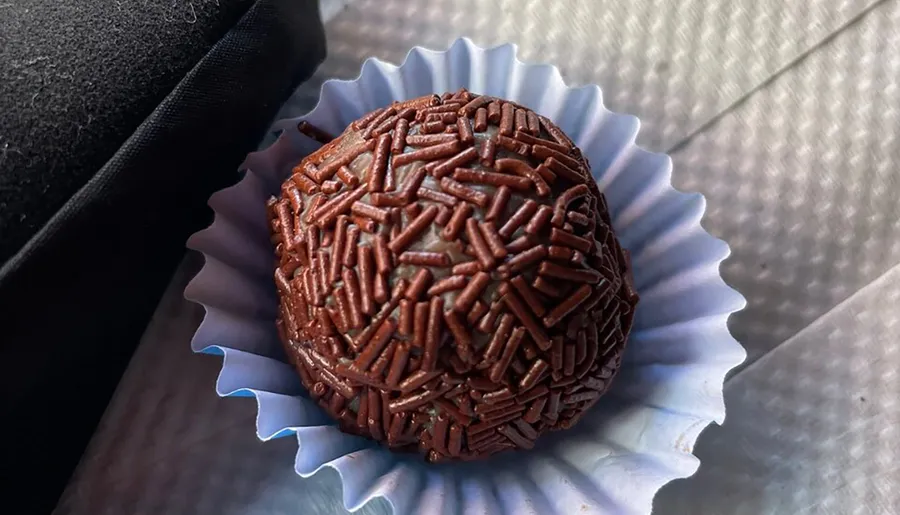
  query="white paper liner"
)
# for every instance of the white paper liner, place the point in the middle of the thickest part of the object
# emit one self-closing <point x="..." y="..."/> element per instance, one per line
<point x="641" y="434"/>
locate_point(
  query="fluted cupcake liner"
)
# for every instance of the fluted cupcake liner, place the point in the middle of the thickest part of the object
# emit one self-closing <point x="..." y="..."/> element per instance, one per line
<point x="636" y="439"/>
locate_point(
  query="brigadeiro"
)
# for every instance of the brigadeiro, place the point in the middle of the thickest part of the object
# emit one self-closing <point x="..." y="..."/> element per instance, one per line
<point x="449" y="280"/>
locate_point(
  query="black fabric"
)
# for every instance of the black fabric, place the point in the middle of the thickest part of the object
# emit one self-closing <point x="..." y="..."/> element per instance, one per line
<point x="76" y="79"/>
<point x="75" y="300"/>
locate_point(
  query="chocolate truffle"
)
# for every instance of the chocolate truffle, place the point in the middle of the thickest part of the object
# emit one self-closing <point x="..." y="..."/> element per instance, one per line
<point x="448" y="277"/>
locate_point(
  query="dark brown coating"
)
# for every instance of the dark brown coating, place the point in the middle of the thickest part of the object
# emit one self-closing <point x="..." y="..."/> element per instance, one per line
<point x="448" y="280"/>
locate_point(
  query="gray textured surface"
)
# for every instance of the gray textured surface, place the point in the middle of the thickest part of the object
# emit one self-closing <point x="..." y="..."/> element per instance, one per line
<point x="801" y="180"/>
<point x="674" y="64"/>
<point x="813" y="427"/>
<point x="783" y="114"/>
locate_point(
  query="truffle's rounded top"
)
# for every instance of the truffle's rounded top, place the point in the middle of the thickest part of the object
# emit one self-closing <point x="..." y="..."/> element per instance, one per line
<point x="448" y="277"/>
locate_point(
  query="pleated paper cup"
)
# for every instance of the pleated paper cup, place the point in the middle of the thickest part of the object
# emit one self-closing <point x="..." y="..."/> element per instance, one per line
<point x="636" y="439"/>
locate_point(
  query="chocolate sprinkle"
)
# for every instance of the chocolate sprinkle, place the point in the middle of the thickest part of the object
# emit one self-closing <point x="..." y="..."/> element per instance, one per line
<point x="427" y="140"/>
<point x="488" y="153"/>
<point x="448" y="277"/>
<point x="506" y="119"/>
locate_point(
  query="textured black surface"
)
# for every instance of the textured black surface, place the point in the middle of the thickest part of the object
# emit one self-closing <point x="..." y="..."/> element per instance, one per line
<point x="75" y="300"/>
<point x="76" y="79"/>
